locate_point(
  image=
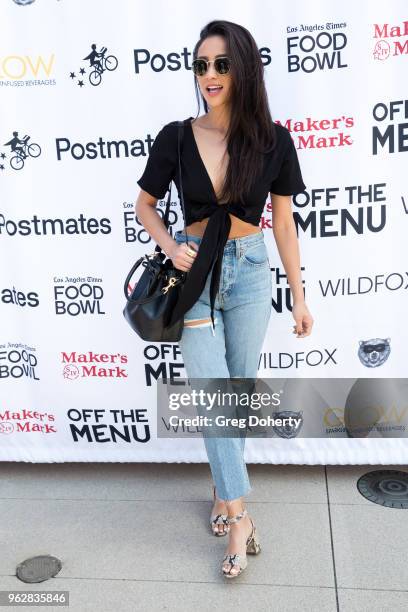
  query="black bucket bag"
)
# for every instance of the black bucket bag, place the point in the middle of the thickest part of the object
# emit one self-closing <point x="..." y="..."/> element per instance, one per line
<point x="149" y="306"/>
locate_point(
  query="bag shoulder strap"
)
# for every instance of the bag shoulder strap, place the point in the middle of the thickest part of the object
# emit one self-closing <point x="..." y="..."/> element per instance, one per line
<point x="180" y="141"/>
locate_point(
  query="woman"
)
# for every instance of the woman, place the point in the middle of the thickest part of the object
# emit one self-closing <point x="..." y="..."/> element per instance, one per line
<point x="232" y="157"/>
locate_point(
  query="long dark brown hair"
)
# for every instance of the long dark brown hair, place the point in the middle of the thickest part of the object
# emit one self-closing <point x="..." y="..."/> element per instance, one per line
<point x="251" y="132"/>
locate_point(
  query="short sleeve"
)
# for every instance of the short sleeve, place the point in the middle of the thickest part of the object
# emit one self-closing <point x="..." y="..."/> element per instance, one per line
<point x="289" y="180"/>
<point x="161" y="163"/>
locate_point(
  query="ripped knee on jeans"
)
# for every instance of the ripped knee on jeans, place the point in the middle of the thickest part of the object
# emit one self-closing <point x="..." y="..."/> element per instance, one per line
<point x="198" y="322"/>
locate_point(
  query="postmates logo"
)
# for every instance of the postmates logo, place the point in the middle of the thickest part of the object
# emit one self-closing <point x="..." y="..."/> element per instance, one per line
<point x="18" y="151"/>
<point x="16" y="297"/>
<point x="35" y="226"/>
<point x="101" y="63"/>
<point x="145" y="59"/>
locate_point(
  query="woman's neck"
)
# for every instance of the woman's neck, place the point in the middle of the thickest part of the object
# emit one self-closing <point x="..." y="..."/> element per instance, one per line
<point x="217" y="119"/>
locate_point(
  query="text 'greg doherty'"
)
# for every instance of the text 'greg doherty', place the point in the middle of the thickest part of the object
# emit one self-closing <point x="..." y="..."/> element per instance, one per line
<point x="223" y="421"/>
<point x="209" y="400"/>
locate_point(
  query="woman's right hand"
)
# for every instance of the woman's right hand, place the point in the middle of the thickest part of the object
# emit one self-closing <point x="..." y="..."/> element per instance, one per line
<point x="180" y="257"/>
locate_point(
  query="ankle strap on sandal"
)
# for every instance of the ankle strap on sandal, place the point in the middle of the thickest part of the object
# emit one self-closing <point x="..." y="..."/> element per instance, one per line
<point x="238" y="517"/>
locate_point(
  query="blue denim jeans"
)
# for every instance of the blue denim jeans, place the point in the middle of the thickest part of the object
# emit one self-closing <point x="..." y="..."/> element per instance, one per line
<point x="242" y="311"/>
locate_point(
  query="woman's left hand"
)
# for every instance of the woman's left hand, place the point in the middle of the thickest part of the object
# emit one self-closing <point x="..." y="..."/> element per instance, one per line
<point x="303" y="318"/>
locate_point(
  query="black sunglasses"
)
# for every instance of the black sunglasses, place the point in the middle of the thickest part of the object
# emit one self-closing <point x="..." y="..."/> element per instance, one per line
<point x="221" y="64"/>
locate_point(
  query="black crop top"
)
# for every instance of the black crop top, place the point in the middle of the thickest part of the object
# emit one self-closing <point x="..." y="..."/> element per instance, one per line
<point x="281" y="175"/>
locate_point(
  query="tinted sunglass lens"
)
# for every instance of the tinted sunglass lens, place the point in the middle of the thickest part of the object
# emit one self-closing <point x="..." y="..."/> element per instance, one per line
<point x="222" y="65"/>
<point x="199" y="67"/>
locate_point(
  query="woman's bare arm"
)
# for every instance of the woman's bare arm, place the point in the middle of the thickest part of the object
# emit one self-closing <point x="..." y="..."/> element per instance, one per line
<point x="284" y="231"/>
<point x="153" y="223"/>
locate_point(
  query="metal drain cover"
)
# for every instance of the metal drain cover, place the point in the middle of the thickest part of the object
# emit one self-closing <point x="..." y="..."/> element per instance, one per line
<point x="385" y="487"/>
<point x="38" y="569"/>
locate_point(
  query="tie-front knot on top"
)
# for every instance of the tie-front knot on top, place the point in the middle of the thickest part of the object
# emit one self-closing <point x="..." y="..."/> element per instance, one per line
<point x="209" y="256"/>
<point x="280" y="175"/>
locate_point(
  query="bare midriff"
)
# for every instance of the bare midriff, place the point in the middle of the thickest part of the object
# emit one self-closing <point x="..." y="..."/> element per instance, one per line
<point x="238" y="229"/>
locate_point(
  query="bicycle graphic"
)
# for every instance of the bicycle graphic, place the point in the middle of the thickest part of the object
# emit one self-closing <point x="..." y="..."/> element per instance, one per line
<point x="110" y="62"/>
<point x="22" y="150"/>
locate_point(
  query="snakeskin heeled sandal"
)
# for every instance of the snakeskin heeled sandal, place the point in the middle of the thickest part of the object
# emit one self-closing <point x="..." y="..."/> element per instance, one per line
<point x="253" y="547"/>
<point x="219" y="519"/>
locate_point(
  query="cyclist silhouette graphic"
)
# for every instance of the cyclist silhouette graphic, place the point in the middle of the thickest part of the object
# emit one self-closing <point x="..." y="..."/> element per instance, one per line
<point x="21" y="153"/>
<point x="13" y="144"/>
<point x="94" y="54"/>
<point x="99" y="66"/>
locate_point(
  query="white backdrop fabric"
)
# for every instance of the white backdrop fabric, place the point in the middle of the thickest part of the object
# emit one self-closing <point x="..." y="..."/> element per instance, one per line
<point x="76" y="383"/>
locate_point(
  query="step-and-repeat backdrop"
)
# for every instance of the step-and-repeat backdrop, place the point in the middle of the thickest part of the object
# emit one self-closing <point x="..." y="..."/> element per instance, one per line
<point x="85" y="87"/>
